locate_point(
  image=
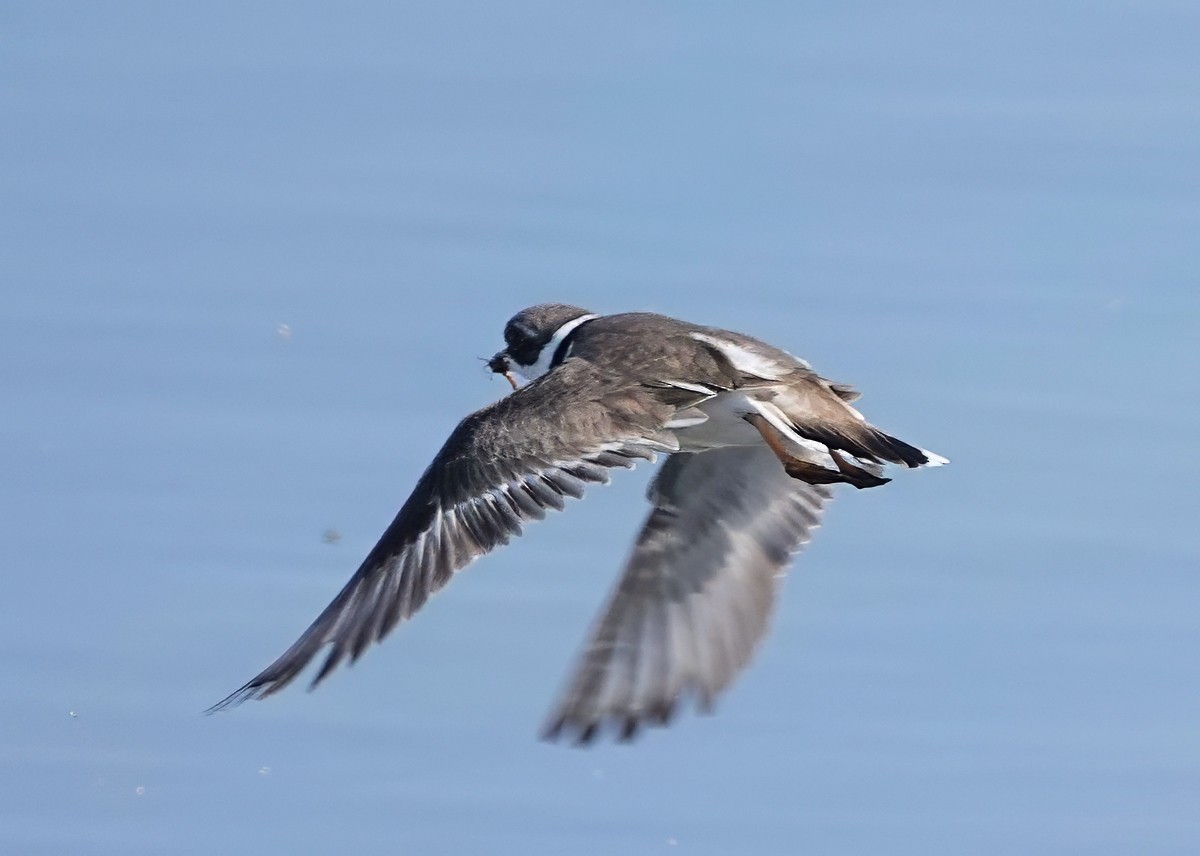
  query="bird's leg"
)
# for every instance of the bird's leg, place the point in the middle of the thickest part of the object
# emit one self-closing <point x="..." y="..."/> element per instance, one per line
<point x="807" y="471"/>
<point x="795" y="467"/>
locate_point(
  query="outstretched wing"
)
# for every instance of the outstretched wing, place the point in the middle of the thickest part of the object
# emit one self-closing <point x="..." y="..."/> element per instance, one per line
<point x="695" y="596"/>
<point x="501" y="468"/>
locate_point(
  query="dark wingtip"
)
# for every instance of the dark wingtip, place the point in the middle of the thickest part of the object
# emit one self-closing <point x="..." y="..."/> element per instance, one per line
<point x="268" y="682"/>
<point x="622" y="728"/>
<point x="584" y="730"/>
<point x="235" y="698"/>
<point x="332" y="661"/>
<point x="551" y="732"/>
<point x="584" y="733"/>
<point x="662" y="713"/>
<point x="223" y="704"/>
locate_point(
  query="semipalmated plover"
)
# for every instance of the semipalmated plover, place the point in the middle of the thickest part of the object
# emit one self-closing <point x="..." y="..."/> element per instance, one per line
<point x="754" y="438"/>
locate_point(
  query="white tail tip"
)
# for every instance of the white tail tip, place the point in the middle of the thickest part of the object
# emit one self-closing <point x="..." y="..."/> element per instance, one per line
<point x="935" y="460"/>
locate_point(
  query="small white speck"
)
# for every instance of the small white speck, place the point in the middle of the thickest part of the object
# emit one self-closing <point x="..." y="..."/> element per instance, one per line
<point x="72" y="714"/>
<point x="264" y="771"/>
<point x="671" y="842"/>
<point x="139" y="790"/>
<point x="284" y="332"/>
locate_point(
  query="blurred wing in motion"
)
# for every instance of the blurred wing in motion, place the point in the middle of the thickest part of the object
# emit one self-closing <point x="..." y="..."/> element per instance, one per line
<point x="696" y="595"/>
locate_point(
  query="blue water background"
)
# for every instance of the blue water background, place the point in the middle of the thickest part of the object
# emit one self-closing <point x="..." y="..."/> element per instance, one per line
<point x="249" y="254"/>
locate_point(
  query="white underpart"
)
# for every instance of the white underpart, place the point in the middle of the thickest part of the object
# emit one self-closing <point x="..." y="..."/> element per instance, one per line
<point x="727" y="426"/>
<point x="542" y="365"/>
<point x="746" y="360"/>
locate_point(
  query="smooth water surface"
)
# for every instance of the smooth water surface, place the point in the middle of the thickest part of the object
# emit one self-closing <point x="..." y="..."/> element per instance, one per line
<point x="251" y="252"/>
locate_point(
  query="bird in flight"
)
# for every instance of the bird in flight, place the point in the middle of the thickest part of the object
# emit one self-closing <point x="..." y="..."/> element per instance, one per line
<point x="754" y="440"/>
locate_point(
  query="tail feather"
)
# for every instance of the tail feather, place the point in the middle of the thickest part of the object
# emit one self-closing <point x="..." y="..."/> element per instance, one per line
<point x="866" y="442"/>
<point x="907" y="454"/>
<point x="933" y="459"/>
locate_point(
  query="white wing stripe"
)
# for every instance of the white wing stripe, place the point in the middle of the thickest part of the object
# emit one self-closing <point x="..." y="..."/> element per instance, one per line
<point x="745" y="360"/>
